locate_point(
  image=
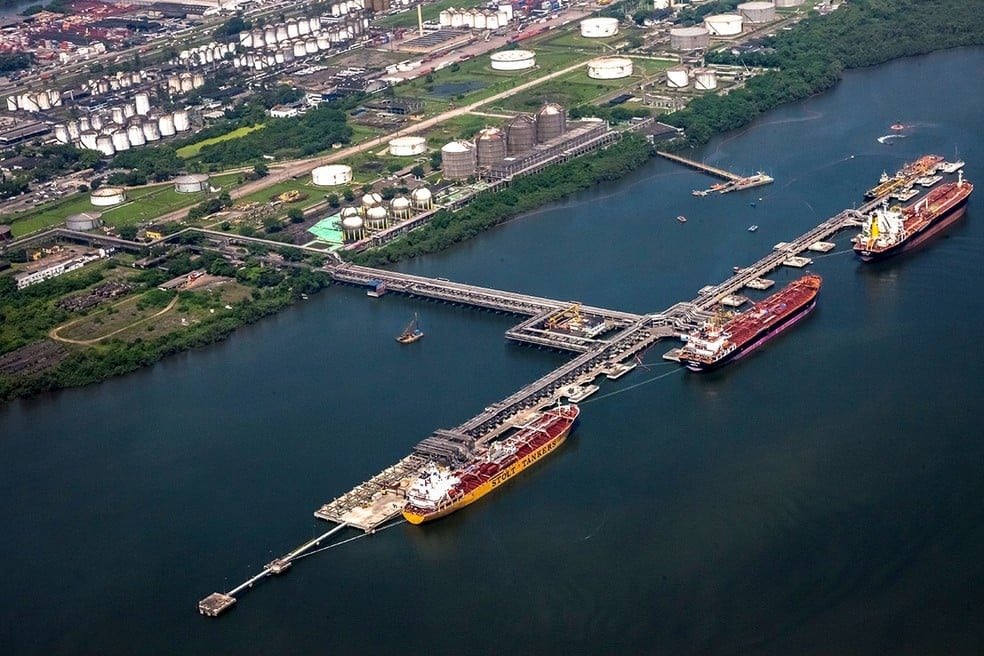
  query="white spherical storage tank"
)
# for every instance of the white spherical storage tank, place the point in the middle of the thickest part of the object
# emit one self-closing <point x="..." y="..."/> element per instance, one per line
<point x="705" y="79"/>
<point x="407" y="146"/>
<point x="190" y="184"/>
<point x="422" y="198"/>
<point x="758" y="12"/>
<point x="594" y="28"/>
<point x="331" y="175"/>
<point x="107" y="196"/>
<point x="376" y="217"/>
<point x="724" y="24"/>
<point x="677" y="77"/>
<point x="609" y="68"/>
<point x="400" y="207"/>
<point x="512" y="60"/>
<point x="352" y="227"/>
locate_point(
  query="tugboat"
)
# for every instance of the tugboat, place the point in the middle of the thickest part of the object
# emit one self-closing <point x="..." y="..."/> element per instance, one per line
<point x="753" y="228"/>
<point x="682" y="219"/>
<point x="897" y="127"/>
<point x="411" y="333"/>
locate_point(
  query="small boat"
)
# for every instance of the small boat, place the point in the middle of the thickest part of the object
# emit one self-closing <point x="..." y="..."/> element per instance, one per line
<point x="753" y="228"/>
<point x="411" y="333"/>
<point x="682" y="219"/>
<point x="952" y="167"/>
<point x="897" y="127"/>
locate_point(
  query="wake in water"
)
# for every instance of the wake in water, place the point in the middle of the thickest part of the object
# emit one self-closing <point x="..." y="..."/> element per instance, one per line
<point x="886" y="138"/>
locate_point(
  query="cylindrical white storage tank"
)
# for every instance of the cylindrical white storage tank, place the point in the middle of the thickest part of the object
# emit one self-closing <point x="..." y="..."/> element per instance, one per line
<point x="73" y="130"/>
<point x="28" y="103"/>
<point x="258" y="40"/>
<point x="270" y="36"/>
<point x="478" y="20"/>
<point x="492" y="21"/>
<point x="371" y="200"/>
<point x="458" y="160"/>
<point x="705" y="79"/>
<point x="61" y="133"/>
<point x="422" y="198"/>
<point x="135" y="134"/>
<point x="785" y="4"/>
<point x="97" y="123"/>
<point x="190" y="184"/>
<point x="129" y="110"/>
<point x="281" y="33"/>
<point x="107" y="196"/>
<point x="85" y="124"/>
<point x="102" y="86"/>
<point x="165" y="124"/>
<point x="758" y="12"/>
<point x="689" y="38"/>
<point x="89" y="139"/>
<point x="407" y="146"/>
<point x="279" y="57"/>
<point x="184" y="54"/>
<point x="506" y="9"/>
<point x="181" y="122"/>
<point x="271" y="60"/>
<point x="299" y="49"/>
<point x="594" y="28"/>
<point x="376" y="217"/>
<point x="352" y="226"/>
<point x="104" y="143"/>
<point x="142" y="102"/>
<point x="151" y="131"/>
<point x="12" y="103"/>
<point x="83" y="221"/>
<point x="331" y="175"/>
<point x="116" y="113"/>
<point x="724" y="24"/>
<point x="677" y="77"/>
<point x="444" y="18"/>
<point x="400" y="207"/>
<point x="292" y="28"/>
<point x="246" y="39"/>
<point x="512" y="60"/>
<point x="314" y="23"/>
<point x="44" y="102"/>
<point x="457" y="18"/>
<point x="288" y="54"/>
<point x="187" y="84"/>
<point x="120" y="140"/>
<point x="209" y="56"/>
<point x="311" y="46"/>
<point x="609" y="68"/>
<point x="323" y="42"/>
<point x="54" y="95"/>
<point x="198" y="80"/>
<point x="174" y="84"/>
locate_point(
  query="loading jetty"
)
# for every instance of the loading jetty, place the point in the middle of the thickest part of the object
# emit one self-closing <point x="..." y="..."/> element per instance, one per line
<point x="602" y="341"/>
<point x="732" y="181"/>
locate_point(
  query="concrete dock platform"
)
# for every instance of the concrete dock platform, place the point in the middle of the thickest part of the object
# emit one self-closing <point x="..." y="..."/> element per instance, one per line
<point x="797" y="262"/>
<point x="761" y="284"/>
<point x="822" y="246"/>
<point x="215" y="604"/>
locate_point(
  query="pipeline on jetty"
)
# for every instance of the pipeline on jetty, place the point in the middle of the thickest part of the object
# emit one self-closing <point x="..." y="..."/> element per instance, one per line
<point x="606" y="343"/>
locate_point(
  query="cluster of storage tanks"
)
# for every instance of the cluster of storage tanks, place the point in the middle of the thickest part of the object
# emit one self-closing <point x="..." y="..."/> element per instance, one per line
<point x="376" y="214"/>
<point x="295" y="39"/>
<point x="122" y="127"/>
<point x="478" y="18"/>
<point x="35" y="101"/>
<point x="609" y="68"/>
<point x="680" y="77"/>
<point x="461" y="159"/>
<point x="203" y="55"/>
<point x="512" y="60"/>
<point x="598" y="28"/>
<point x="185" y="82"/>
<point x="115" y="82"/>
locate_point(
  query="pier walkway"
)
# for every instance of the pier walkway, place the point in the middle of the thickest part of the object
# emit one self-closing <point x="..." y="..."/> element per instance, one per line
<point x="700" y="166"/>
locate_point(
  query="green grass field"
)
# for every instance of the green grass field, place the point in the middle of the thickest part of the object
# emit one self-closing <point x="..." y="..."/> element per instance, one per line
<point x="189" y="151"/>
<point x="143" y="204"/>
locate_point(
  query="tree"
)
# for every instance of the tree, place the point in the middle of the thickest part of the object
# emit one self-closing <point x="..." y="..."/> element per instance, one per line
<point x="260" y="170"/>
<point x="435" y="160"/>
<point x="333" y="200"/>
<point x="417" y="171"/>
<point x="348" y="194"/>
<point x="295" y="214"/>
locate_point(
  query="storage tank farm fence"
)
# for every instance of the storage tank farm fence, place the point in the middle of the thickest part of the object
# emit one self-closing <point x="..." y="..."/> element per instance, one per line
<point x="603" y="342"/>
